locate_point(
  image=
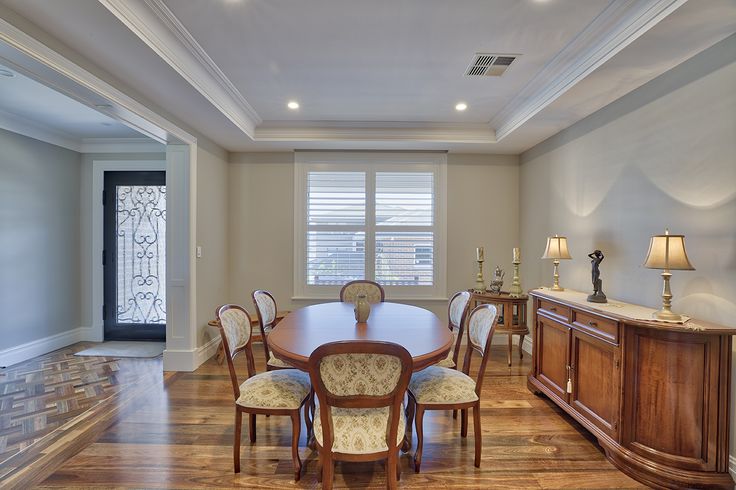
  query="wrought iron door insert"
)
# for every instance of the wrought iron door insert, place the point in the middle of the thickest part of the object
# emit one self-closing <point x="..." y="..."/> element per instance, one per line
<point x="134" y="256"/>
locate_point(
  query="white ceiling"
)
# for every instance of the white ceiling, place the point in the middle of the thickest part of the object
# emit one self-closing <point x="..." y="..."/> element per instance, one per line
<point x="379" y="74"/>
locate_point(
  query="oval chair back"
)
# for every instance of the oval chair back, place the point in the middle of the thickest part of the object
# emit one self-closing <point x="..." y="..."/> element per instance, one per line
<point x="235" y="331"/>
<point x="457" y="312"/>
<point x="265" y="305"/>
<point x="481" y="326"/>
<point x="373" y="291"/>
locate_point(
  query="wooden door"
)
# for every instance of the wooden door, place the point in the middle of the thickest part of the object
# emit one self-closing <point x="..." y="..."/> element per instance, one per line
<point x="554" y="355"/>
<point x="596" y="381"/>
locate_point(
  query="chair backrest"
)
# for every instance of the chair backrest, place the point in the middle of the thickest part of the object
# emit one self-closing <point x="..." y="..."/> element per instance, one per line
<point x="457" y="311"/>
<point x="360" y="374"/>
<point x="373" y="291"/>
<point x="481" y="324"/>
<point x="235" y="331"/>
<point x="266" y="310"/>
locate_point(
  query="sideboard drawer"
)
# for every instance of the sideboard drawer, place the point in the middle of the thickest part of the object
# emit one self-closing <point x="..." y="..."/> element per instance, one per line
<point x="555" y="309"/>
<point x="597" y="326"/>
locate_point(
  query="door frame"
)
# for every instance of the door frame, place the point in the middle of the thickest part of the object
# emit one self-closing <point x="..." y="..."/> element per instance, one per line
<point x="99" y="167"/>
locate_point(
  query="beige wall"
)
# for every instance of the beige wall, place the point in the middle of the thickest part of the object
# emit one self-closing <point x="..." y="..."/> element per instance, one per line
<point x="662" y="156"/>
<point x="39" y="239"/>
<point x="482" y="209"/>
<point x="212" y="235"/>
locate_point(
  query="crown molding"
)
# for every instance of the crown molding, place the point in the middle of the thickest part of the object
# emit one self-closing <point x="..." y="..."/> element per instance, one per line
<point x="375" y="131"/>
<point x="121" y="145"/>
<point x="157" y="26"/>
<point x="617" y="26"/>
<point x="38" y="131"/>
<point x="38" y="61"/>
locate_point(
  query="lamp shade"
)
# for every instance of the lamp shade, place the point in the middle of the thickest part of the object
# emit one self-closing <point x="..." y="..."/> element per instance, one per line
<point x="556" y="248"/>
<point x="667" y="252"/>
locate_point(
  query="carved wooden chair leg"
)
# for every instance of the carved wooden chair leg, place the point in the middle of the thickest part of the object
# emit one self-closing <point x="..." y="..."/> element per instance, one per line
<point x="252" y="426"/>
<point x="391" y="469"/>
<point x="296" y="427"/>
<point x="236" y="441"/>
<point x="410" y="407"/>
<point x="454" y="414"/>
<point x="319" y="467"/>
<point x="464" y="422"/>
<point x="420" y="437"/>
<point x="328" y="473"/>
<point x="477" y="433"/>
<point x="308" y="421"/>
<point x="398" y="467"/>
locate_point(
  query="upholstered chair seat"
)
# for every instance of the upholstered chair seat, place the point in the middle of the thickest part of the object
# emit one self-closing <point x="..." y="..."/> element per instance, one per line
<point x="285" y="388"/>
<point x="359" y="430"/>
<point x="275" y="362"/>
<point x="442" y="385"/>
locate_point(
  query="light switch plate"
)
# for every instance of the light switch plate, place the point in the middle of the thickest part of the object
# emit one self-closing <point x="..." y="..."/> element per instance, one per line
<point x="199" y="251"/>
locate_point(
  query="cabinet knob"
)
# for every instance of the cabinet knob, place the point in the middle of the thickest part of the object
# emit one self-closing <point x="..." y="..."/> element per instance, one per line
<point x="592" y="324"/>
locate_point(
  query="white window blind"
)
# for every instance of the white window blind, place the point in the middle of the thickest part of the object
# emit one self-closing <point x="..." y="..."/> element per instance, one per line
<point x="370" y="216"/>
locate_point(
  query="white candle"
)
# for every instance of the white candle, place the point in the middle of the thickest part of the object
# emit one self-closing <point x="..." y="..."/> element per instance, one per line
<point x="479" y="253"/>
<point x="517" y="254"/>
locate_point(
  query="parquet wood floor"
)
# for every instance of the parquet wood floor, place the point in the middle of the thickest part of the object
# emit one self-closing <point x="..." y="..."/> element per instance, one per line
<point x="45" y="400"/>
<point x="181" y="437"/>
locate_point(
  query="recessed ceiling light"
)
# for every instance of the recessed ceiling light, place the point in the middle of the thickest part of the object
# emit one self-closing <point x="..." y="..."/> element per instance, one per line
<point x="293" y="105"/>
<point x="461" y="106"/>
<point x="6" y="73"/>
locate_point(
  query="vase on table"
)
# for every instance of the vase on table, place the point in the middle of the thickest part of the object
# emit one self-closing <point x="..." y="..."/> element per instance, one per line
<point x="362" y="308"/>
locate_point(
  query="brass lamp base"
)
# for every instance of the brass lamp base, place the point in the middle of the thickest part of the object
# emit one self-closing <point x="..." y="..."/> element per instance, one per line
<point x="556" y="286"/>
<point x="667" y="315"/>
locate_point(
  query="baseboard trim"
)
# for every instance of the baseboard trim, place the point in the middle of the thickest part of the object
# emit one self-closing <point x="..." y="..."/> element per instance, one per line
<point x="527" y="345"/>
<point x="39" y="347"/>
<point x="732" y="466"/>
<point x="190" y="359"/>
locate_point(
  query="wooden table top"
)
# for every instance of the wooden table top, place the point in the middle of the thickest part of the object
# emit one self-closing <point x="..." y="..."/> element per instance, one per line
<point x="425" y="336"/>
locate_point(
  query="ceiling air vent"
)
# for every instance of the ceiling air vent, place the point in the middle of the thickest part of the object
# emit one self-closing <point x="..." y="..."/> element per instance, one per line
<point x="490" y="65"/>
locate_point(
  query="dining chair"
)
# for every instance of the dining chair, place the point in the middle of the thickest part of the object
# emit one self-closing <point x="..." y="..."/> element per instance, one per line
<point x="282" y="392"/>
<point x="373" y="291"/>
<point x="360" y="386"/>
<point x="266" y="310"/>
<point x="457" y="310"/>
<point x="439" y="388"/>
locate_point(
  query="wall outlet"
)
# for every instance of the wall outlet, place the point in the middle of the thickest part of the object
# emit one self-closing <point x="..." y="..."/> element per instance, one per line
<point x="199" y="251"/>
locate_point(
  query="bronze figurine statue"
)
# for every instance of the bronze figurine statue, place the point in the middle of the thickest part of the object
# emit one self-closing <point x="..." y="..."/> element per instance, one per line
<point x="595" y="259"/>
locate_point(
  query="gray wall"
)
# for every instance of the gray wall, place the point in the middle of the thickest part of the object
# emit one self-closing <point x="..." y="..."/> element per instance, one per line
<point x="39" y="239"/>
<point x="661" y="156"/>
<point x="482" y="210"/>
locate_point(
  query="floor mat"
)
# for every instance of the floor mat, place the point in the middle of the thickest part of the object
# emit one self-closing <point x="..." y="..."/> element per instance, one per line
<point x="125" y="349"/>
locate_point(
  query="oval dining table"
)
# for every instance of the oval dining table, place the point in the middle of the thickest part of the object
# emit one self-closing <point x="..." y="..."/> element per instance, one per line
<point x="425" y="336"/>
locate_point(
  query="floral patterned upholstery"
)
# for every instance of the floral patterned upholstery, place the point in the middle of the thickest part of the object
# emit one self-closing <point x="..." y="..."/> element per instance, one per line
<point x="276" y="362"/>
<point x="441" y="385"/>
<point x="457" y="307"/>
<point x="351" y="291"/>
<point x="266" y="307"/>
<point x="479" y="326"/>
<point x="236" y="325"/>
<point x="359" y="430"/>
<point x="360" y="374"/>
<point x="285" y="388"/>
<point x="447" y="361"/>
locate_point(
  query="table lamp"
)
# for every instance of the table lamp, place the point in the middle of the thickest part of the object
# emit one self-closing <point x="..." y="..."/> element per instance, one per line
<point x="667" y="252"/>
<point x="557" y="250"/>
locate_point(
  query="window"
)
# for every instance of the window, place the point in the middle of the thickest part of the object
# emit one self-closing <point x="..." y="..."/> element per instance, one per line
<point x="378" y="216"/>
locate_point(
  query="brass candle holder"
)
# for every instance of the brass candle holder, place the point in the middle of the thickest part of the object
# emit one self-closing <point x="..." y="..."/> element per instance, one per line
<point x="515" y="291"/>
<point x="480" y="285"/>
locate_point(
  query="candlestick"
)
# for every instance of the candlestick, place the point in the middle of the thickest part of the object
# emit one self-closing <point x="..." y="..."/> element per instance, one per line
<point x="479" y="254"/>
<point x="516" y="291"/>
<point x="480" y="284"/>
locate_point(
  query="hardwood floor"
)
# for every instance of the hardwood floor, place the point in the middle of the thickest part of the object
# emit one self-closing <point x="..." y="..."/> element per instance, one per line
<point x="181" y="437"/>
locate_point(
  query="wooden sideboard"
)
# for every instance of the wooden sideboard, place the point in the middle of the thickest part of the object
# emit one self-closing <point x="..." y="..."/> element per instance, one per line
<point x="656" y="395"/>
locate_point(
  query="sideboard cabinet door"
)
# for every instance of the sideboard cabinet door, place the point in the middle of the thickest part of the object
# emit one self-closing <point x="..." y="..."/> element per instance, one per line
<point x="596" y="386"/>
<point x="553" y="353"/>
<point x="672" y="398"/>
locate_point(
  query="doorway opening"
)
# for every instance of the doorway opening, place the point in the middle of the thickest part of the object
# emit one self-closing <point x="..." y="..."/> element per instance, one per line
<point x="134" y="255"/>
